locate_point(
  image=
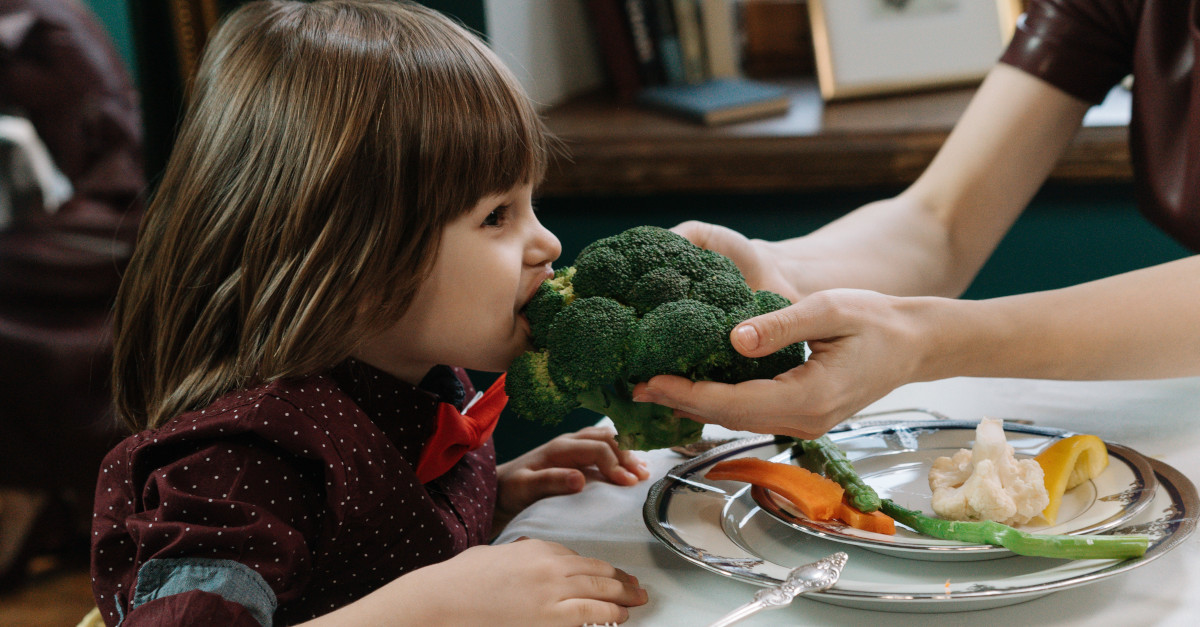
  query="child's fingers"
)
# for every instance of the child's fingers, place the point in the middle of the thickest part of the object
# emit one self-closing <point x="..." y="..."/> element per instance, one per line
<point x="607" y="458"/>
<point x="626" y="459"/>
<point x="605" y="589"/>
<point x="633" y="464"/>
<point x="591" y="612"/>
<point x="597" y="433"/>
<point x="539" y="484"/>
<point x="590" y="566"/>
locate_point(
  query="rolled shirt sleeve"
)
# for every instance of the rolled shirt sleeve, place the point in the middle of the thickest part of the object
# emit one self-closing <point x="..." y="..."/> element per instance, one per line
<point x="222" y="526"/>
<point x="1083" y="47"/>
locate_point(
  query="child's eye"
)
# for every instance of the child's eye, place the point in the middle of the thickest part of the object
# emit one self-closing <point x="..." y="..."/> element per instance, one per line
<point x="497" y="216"/>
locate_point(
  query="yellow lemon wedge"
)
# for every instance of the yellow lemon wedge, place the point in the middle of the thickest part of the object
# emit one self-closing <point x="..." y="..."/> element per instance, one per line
<point x="1068" y="463"/>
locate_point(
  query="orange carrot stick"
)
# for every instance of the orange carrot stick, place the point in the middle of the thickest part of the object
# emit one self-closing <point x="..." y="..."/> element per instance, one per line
<point x="876" y="521"/>
<point x="818" y="497"/>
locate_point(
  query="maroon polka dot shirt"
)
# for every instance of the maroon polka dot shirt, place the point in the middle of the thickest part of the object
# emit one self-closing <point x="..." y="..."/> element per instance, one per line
<point x="283" y="502"/>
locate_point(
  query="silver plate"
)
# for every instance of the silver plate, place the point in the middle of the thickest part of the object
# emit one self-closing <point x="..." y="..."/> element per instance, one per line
<point x="729" y="534"/>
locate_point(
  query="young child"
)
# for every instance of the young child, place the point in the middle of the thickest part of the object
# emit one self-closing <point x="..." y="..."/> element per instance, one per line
<point x="347" y="207"/>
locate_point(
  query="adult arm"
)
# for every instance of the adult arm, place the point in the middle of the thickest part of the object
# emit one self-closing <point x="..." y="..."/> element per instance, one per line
<point x="1135" y="325"/>
<point x="935" y="236"/>
<point x="932" y="239"/>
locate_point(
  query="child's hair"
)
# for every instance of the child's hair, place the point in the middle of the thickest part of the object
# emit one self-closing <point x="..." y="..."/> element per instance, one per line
<point x="324" y="147"/>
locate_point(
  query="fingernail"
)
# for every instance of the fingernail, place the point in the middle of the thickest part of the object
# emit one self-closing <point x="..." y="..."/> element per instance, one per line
<point x="646" y="396"/>
<point x="747" y="336"/>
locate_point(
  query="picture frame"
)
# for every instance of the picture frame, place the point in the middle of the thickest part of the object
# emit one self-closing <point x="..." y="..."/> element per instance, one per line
<point x="871" y="47"/>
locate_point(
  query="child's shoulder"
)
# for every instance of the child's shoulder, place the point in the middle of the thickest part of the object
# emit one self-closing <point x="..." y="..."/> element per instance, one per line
<point x="293" y="414"/>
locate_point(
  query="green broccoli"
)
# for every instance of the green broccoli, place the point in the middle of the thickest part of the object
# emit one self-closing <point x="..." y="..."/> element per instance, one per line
<point x="634" y="305"/>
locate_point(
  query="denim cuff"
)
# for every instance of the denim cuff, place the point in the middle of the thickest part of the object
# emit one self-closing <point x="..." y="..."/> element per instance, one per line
<point x="233" y="581"/>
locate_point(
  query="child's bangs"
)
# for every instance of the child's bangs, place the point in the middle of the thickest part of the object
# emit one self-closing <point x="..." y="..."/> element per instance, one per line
<point x="484" y="135"/>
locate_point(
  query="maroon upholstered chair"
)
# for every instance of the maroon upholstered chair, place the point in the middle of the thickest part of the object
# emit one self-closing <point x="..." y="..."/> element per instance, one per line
<point x="59" y="272"/>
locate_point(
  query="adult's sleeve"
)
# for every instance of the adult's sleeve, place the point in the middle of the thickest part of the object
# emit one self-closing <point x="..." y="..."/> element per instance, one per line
<point x="1083" y="47"/>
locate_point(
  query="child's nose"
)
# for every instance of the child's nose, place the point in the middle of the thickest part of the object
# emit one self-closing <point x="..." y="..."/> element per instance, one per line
<point x="545" y="247"/>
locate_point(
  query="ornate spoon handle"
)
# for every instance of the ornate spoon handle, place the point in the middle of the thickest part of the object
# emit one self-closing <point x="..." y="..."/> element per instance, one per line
<point x="819" y="575"/>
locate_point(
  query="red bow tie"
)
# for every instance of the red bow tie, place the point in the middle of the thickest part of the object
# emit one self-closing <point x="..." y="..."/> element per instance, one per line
<point x="457" y="433"/>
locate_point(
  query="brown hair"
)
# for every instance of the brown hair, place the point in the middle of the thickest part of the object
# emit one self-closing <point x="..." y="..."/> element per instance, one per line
<point x="324" y="147"/>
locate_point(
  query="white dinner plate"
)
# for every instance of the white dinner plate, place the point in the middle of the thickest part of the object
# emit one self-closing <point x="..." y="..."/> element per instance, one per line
<point x="726" y="532"/>
<point x="895" y="461"/>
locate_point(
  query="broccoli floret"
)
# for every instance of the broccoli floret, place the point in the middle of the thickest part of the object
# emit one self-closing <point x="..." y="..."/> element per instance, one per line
<point x="634" y="305"/>
<point x="539" y="397"/>
<point x="588" y="343"/>
<point x="551" y="297"/>
<point x="680" y="337"/>
<point x="658" y="286"/>
<point x="611" y="266"/>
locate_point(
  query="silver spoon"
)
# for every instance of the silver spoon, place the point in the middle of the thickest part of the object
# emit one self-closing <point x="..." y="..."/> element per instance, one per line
<point x="814" y="577"/>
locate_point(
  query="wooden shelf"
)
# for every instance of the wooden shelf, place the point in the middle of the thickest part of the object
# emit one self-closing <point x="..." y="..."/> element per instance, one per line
<point x="877" y="142"/>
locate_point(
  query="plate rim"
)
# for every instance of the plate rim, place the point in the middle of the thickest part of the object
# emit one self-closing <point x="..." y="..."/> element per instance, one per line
<point x="1179" y="488"/>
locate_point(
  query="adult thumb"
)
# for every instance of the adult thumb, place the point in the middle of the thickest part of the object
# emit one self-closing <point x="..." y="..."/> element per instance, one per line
<point x="765" y="334"/>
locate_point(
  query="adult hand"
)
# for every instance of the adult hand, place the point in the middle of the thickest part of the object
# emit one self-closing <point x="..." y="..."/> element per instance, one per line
<point x="557" y="467"/>
<point x="755" y="258"/>
<point x="864" y="344"/>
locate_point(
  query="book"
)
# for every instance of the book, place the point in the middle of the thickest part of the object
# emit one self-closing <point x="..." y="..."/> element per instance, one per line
<point x="615" y="44"/>
<point x="718" y="19"/>
<point x="691" y="40"/>
<point x="649" y="65"/>
<point x="666" y="36"/>
<point x="718" y="101"/>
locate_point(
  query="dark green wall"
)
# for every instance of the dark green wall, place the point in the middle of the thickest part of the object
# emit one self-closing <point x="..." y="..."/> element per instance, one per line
<point x="114" y="16"/>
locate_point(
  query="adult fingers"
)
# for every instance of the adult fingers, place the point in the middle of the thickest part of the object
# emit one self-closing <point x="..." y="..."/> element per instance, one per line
<point x="705" y="234"/>
<point x="761" y="405"/>
<point x="723" y="240"/>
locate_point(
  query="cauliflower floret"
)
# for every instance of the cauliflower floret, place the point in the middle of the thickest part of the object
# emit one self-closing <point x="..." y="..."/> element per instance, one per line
<point x="988" y="482"/>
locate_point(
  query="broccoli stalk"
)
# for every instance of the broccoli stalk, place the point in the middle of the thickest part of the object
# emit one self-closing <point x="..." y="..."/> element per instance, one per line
<point x="640" y="426"/>
<point x="641" y="303"/>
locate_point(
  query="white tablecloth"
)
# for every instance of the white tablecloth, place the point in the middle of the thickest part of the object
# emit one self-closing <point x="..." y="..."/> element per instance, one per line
<point x="1160" y="419"/>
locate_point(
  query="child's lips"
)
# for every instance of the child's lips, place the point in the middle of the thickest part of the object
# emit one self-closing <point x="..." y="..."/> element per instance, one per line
<point x="548" y="274"/>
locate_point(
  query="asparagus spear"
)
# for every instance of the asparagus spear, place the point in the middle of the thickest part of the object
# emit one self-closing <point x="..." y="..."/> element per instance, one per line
<point x="1017" y="541"/>
<point x="822" y="456"/>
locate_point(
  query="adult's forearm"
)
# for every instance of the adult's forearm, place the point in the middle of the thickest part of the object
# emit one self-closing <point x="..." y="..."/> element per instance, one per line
<point x="894" y="246"/>
<point x="1137" y="325"/>
<point x="934" y="237"/>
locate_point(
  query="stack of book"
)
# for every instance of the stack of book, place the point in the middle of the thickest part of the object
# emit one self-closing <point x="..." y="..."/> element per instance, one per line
<point x="682" y="57"/>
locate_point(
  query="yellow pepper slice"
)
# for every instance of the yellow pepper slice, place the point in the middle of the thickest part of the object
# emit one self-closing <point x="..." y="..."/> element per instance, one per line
<point x="1068" y="463"/>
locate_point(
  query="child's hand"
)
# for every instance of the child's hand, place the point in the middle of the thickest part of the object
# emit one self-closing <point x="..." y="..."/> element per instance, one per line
<point x="556" y="467"/>
<point x="533" y="582"/>
<point x="528" y="582"/>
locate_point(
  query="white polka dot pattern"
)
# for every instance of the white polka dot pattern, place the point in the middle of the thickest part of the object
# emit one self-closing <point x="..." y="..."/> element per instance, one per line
<point x="308" y="482"/>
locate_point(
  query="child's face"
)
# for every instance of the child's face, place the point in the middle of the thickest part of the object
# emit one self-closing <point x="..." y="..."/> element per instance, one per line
<point x="468" y="312"/>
